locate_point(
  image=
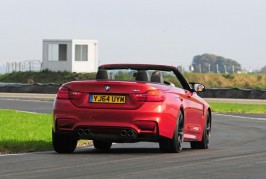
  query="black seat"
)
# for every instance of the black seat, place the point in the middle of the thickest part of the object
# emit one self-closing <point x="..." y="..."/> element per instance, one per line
<point x="157" y="77"/>
<point x="142" y="76"/>
<point x="102" y="74"/>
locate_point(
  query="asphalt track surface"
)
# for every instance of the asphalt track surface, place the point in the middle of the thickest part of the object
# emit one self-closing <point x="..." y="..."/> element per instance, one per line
<point x="27" y="105"/>
<point x="237" y="150"/>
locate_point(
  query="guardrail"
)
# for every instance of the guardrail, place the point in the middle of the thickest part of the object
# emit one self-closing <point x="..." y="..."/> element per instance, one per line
<point x="25" y="88"/>
<point x="233" y="93"/>
<point x="209" y="93"/>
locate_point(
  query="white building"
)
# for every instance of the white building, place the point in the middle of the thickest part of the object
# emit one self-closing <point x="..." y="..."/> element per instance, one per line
<point x="70" y="55"/>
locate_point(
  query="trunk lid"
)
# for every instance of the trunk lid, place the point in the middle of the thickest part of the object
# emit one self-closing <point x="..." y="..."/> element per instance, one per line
<point x="103" y="94"/>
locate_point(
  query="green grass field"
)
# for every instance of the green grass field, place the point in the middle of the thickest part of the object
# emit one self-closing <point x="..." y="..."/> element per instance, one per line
<point x="24" y="132"/>
<point x="238" y="108"/>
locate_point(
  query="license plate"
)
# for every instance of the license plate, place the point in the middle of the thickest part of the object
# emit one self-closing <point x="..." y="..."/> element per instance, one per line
<point x="107" y="99"/>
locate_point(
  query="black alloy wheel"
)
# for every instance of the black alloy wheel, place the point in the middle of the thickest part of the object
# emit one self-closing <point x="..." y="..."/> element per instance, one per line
<point x="204" y="143"/>
<point x="63" y="143"/>
<point x="174" y="145"/>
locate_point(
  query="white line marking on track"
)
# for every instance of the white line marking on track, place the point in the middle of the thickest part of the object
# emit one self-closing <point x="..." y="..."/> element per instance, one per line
<point x="6" y="155"/>
<point x="29" y="112"/>
<point x="28" y="100"/>
<point x="243" y="117"/>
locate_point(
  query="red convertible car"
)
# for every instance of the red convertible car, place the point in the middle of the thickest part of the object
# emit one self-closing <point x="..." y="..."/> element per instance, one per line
<point x="132" y="103"/>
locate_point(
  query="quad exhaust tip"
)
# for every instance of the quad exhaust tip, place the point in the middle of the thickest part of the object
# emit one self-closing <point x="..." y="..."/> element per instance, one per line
<point x="83" y="132"/>
<point x="129" y="133"/>
<point x="87" y="132"/>
<point x="80" y="132"/>
<point x="123" y="133"/>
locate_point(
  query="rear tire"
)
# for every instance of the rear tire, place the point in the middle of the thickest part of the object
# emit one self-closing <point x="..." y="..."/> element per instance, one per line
<point x="63" y="143"/>
<point x="204" y="143"/>
<point x="174" y="145"/>
<point x="102" y="145"/>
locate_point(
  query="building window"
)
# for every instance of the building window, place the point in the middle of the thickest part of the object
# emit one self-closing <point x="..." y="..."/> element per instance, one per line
<point x="57" y="52"/>
<point x="81" y="52"/>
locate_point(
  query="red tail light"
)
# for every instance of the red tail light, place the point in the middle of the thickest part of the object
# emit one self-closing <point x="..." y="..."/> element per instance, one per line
<point x="64" y="93"/>
<point x="75" y="95"/>
<point x="155" y="96"/>
<point x="150" y="96"/>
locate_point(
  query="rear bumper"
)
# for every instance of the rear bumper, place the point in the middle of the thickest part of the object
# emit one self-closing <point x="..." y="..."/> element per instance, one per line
<point x="111" y="134"/>
<point x="148" y="122"/>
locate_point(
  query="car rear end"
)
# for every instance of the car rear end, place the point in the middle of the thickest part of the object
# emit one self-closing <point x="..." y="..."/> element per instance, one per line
<point x="115" y="111"/>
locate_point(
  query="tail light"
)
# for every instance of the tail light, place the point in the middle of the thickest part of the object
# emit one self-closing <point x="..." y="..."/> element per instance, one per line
<point x="150" y="96"/>
<point x="64" y="93"/>
<point x="75" y="95"/>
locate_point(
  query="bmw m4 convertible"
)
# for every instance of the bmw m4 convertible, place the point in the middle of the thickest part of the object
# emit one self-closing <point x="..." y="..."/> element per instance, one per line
<point x="129" y="103"/>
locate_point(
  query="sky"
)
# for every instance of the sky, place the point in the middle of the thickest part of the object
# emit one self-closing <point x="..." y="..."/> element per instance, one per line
<point x="169" y="32"/>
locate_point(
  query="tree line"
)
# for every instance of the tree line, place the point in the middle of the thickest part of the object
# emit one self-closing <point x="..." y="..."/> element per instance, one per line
<point x="209" y="63"/>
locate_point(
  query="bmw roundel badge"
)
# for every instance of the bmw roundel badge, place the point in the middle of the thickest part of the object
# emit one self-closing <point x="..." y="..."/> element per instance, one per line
<point x="107" y="88"/>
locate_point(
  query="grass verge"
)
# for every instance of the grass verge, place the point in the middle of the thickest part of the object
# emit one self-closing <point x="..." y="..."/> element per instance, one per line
<point x="24" y="132"/>
<point x="238" y="108"/>
<point x="27" y="132"/>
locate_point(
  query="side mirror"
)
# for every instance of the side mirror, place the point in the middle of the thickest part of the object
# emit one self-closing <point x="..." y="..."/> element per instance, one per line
<point x="197" y="87"/>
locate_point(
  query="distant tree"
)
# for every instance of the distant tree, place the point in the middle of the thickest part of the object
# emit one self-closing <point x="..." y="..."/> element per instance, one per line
<point x="263" y="70"/>
<point x="216" y="64"/>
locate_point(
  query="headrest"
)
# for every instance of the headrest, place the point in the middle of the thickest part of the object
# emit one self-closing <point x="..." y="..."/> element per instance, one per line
<point x="102" y="74"/>
<point x="142" y="76"/>
<point x="157" y="77"/>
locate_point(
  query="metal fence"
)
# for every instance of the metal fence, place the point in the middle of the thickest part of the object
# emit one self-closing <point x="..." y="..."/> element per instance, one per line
<point x="28" y="65"/>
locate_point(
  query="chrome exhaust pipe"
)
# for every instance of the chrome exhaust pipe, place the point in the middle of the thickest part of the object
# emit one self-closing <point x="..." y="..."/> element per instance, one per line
<point x="87" y="132"/>
<point x="123" y="133"/>
<point x="80" y="132"/>
<point x="130" y="133"/>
